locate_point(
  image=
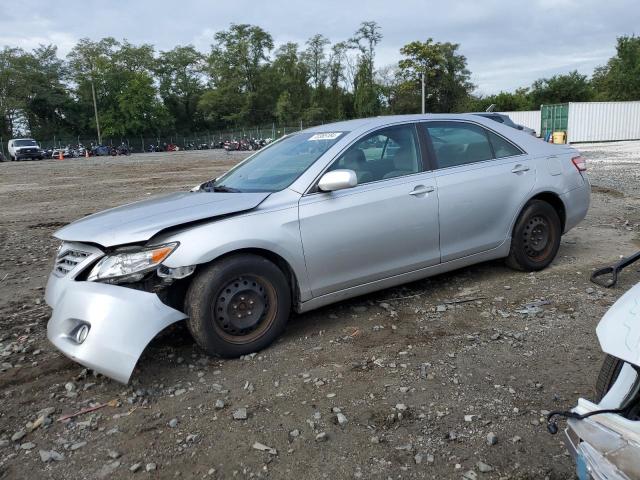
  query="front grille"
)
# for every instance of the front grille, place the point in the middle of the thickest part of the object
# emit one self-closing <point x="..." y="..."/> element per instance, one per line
<point x="67" y="260"/>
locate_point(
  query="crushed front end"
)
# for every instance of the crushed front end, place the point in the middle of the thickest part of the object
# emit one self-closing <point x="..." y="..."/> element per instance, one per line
<point x="103" y="318"/>
<point x="606" y="446"/>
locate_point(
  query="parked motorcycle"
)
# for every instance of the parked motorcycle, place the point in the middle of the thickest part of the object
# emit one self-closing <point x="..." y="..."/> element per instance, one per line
<point x="603" y="435"/>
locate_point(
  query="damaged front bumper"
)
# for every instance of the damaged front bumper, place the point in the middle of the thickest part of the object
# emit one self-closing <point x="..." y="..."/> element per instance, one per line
<point x="605" y="447"/>
<point x="101" y="326"/>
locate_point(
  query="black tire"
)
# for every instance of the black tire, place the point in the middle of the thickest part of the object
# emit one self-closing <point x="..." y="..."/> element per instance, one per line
<point x="238" y="305"/>
<point x="608" y="375"/>
<point x="536" y="237"/>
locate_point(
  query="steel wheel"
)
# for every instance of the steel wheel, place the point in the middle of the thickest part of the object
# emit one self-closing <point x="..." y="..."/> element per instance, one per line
<point x="238" y="305"/>
<point x="244" y="308"/>
<point x="535" y="237"/>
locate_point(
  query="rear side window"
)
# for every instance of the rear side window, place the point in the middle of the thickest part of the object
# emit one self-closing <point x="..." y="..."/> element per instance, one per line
<point x="457" y="143"/>
<point x="501" y="147"/>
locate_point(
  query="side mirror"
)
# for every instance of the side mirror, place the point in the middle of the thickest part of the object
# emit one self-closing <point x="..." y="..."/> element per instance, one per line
<point x="520" y="127"/>
<point x="338" y="180"/>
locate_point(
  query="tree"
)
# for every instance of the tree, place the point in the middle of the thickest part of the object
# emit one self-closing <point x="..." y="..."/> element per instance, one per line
<point x="181" y="85"/>
<point x="619" y="79"/>
<point x="504" y="101"/>
<point x="314" y="56"/>
<point x="366" y="95"/>
<point x="48" y="106"/>
<point x="290" y="74"/>
<point x="236" y="64"/>
<point x="447" y="78"/>
<point x="122" y="76"/>
<point x="572" y="87"/>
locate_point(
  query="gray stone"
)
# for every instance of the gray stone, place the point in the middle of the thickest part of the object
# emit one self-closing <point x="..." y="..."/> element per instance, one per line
<point x="342" y="419"/>
<point x="135" y="467"/>
<point x="108" y="469"/>
<point x="113" y="454"/>
<point x="483" y="467"/>
<point x="50" y="455"/>
<point x="173" y="423"/>
<point x="27" y="446"/>
<point x="19" y="435"/>
<point x="219" y="404"/>
<point x="492" y="438"/>
<point x="240" y="414"/>
<point x="78" y="445"/>
<point x="322" y="437"/>
<point x="150" y="467"/>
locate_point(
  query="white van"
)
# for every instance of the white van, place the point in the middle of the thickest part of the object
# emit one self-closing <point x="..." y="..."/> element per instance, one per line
<point x="24" y="148"/>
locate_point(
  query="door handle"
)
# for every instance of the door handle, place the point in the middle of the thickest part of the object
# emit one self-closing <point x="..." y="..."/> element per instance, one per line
<point x="520" y="169"/>
<point x="420" y="190"/>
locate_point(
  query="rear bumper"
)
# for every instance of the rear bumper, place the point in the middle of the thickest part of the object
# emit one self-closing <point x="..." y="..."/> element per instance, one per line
<point x="121" y="322"/>
<point x="576" y="204"/>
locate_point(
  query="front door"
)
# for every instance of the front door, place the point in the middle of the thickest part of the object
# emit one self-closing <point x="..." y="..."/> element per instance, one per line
<point x="385" y="226"/>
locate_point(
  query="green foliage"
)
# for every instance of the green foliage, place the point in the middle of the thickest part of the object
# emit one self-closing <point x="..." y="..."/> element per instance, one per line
<point x="572" y="87"/>
<point x="619" y="79"/>
<point x="447" y="78"/>
<point x="242" y="81"/>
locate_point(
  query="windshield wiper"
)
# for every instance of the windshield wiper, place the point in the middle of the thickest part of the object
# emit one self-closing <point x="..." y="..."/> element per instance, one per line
<point x="225" y="189"/>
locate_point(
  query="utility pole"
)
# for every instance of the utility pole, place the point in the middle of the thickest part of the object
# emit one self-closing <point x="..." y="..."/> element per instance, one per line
<point x="95" y="109"/>
<point x="423" y="91"/>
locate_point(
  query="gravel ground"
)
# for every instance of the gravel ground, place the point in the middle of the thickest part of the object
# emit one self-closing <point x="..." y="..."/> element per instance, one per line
<point x="441" y="378"/>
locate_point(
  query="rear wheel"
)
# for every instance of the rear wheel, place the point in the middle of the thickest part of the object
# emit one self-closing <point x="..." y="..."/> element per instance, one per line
<point x="536" y="237"/>
<point x="238" y="305"/>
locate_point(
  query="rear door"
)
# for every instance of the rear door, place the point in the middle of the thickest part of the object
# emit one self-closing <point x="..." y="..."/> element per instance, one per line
<point x="482" y="180"/>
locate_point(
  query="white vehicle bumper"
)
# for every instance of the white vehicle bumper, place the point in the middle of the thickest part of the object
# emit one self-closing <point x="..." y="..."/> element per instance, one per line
<point x="605" y="447"/>
<point x="121" y="322"/>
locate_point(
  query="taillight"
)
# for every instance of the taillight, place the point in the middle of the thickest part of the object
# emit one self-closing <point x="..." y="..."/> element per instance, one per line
<point x="580" y="163"/>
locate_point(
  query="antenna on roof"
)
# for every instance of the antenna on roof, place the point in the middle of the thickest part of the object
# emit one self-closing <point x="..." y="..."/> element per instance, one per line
<point x="491" y="108"/>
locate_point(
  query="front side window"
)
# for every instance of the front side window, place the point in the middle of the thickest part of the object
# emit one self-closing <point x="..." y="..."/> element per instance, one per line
<point x="387" y="153"/>
<point x="501" y="147"/>
<point x="278" y="165"/>
<point x="458" y="143"/>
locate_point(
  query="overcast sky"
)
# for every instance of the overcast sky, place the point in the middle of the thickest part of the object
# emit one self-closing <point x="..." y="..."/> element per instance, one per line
<point x="508" y="43"/>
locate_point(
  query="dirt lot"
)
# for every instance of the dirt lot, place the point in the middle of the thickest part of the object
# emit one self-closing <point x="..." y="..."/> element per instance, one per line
<point x="422" y="373"/>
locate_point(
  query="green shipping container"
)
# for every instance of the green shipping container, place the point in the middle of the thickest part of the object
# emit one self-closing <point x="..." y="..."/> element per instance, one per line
<point x="553" y="118"/>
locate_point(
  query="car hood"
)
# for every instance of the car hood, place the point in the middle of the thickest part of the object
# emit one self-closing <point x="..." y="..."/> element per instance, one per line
<point x="138" y="222"/>
<point x="619" y="328"/>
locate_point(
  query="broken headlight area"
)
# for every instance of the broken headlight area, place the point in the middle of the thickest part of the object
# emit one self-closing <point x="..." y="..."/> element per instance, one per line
<point x="129" y="265"/>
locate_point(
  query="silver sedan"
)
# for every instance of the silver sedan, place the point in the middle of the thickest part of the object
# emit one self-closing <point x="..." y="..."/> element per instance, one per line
<point x="319" y="216"/>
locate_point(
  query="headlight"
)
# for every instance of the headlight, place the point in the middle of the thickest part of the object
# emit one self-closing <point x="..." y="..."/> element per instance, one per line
<point x="130" y="266"/>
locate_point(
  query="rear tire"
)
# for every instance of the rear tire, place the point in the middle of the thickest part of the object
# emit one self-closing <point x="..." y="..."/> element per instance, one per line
<point x="608" y="375"/>
<point x="238" y="305"/>
<point x="536" y="237"/>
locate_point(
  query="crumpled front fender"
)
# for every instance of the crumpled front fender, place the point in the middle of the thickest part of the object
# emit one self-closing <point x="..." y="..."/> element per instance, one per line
<point x="122" y="321"/>
<point x="619" y="329"/>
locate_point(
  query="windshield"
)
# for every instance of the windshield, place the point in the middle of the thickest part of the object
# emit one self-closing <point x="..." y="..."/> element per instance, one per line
<point x="277" y="166"/>
<point x="25" y="143"/>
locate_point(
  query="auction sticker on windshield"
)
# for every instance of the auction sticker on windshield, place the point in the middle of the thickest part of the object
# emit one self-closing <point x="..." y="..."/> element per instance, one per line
<point x="324" y="136"/>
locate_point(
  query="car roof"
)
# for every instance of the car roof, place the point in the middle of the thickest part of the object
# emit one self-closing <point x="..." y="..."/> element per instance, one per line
<point x="373" y="122"/>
